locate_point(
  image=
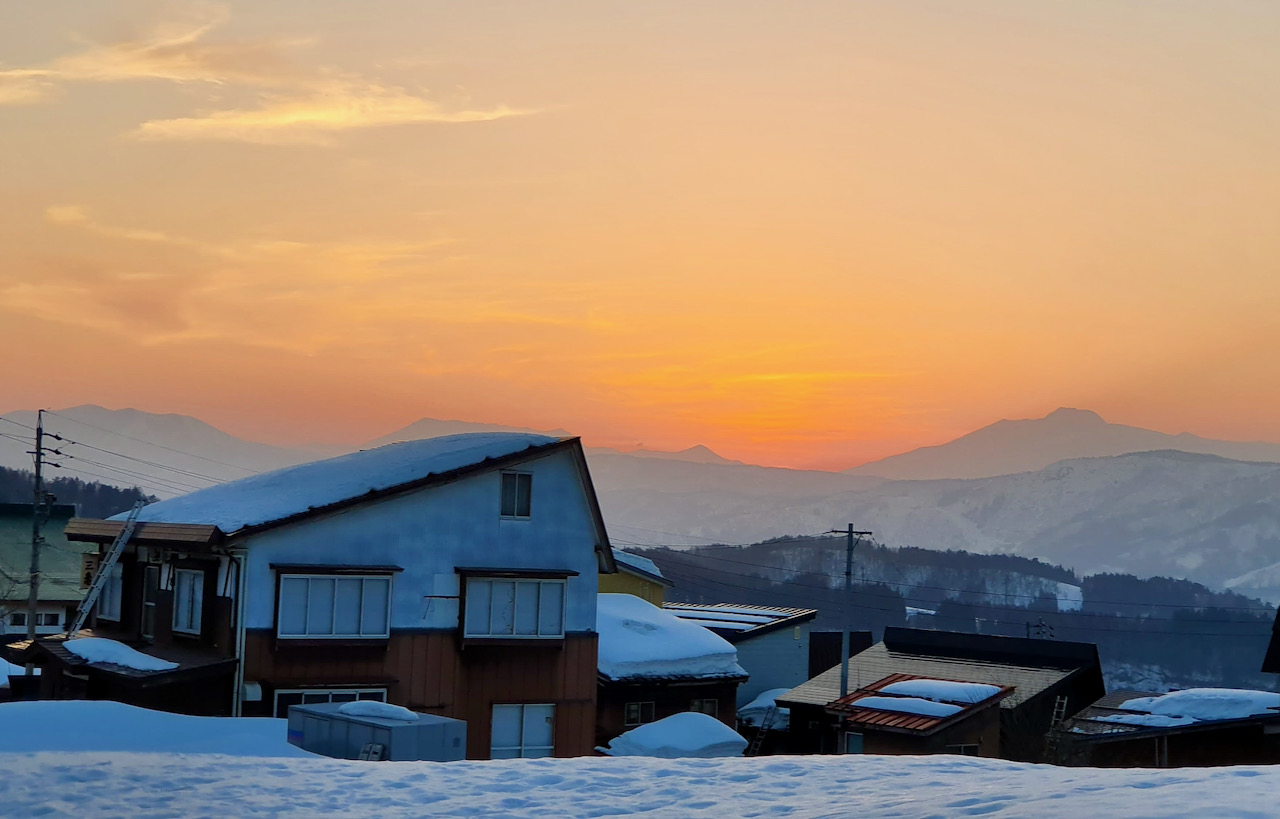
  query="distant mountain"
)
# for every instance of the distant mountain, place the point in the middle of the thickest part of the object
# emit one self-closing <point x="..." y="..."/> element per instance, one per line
<point x="1008" y="447"/>
<point x="698" y="454"/>
<point x="434" y="428"/>
<point x="165" y="455"/>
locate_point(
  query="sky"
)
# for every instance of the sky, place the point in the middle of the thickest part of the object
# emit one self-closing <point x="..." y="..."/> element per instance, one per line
<point x="803" y="234"/>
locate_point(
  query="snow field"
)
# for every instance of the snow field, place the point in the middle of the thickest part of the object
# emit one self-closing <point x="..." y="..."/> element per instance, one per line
<point x="176" y="785"/>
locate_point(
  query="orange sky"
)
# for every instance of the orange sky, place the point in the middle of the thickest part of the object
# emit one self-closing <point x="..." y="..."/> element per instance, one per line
<point x="803" y="234"/>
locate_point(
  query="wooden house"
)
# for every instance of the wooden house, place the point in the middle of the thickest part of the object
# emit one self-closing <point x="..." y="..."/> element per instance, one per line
<point x="453" y="575"/>
<point x="1048" y="680"/>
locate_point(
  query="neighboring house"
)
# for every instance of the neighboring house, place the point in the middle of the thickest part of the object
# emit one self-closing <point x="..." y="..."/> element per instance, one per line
<point x="1271" y="662"/>
<point x="652" y="665"/>
<point x="1192" y="728"/>
<point x="453" y="575"/>
<point x="60" y="562"/>
<point x="772" y="642"/>
<point x="636" y="575"/>
<point x="1049" y="679"/>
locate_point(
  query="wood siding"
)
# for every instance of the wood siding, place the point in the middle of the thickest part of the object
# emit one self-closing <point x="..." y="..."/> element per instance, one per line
<point x="668" y="699"/>
<point x="429" y="671"/>
<point x="622" y="582"/>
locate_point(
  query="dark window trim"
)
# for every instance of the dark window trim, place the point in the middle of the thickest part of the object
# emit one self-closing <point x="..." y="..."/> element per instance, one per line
<point x="530" y="574"/>
<point x="330" y="568"/>
<point x="346" y="640"/>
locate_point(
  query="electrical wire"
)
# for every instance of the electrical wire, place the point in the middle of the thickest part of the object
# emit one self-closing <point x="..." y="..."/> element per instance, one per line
<point x="152" y="443"/>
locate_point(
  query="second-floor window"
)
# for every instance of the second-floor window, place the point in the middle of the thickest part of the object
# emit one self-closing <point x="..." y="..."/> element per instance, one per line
<point x="188" y="600"/>
<point x="334" y="607"/>
<point x="517" y="494"/>
<point x="527" y="609"/>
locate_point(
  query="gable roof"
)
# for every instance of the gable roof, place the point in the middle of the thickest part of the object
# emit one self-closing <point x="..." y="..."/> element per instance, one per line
<point x="737" y="622"/>
<point x="285" y="496"/>
<point x="1029" y="666"/>
<point x="641" y="567"/>
<point x="640" y="642"/>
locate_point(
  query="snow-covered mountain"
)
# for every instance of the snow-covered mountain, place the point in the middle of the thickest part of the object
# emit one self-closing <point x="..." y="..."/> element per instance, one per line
<point x="1008" y="447"/>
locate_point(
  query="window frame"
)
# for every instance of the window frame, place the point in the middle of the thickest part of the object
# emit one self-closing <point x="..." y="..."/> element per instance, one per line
<point x="148" y="609"/>
<point x="196" y="613"/>
<point x="522" y="748"/>
<point x="113" y="592"/>
<point x="358" y="691"/>
<point x="309" y="576"/>
<point x="42" y="619"/>
<point x="515" y="509"/>
<point x="645" y="712"/>
<point x="489" y="634"/>
<point x="699" y="706"/>
<point x="17" y="619"/>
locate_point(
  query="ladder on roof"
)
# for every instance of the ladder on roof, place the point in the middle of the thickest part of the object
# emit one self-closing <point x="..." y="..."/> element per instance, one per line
<point x="104" y="570"/>
<point x="766" y="722"/>
<point x="1055" y="726"/>
<point x="1059" y="711"/>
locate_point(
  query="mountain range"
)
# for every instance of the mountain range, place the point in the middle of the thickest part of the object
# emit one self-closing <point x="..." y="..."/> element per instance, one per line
<point x="1068" y="488"/>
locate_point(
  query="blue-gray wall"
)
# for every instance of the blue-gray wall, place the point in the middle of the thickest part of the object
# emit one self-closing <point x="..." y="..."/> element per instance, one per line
<point x="778" y="659"/>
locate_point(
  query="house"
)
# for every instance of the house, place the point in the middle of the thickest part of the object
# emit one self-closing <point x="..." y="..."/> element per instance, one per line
<point x="1192" y="728"/>
<point x="453" y="575"/>
<point x="60" y="563"/>
<point x="652" y="665"/>
<point x="772" y="642"/>
<point x="1049" y="679"/>
<point x="636" y="575"/>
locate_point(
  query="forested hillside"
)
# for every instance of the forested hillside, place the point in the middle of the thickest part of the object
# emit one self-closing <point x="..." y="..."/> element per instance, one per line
<point x="92" y="500"/>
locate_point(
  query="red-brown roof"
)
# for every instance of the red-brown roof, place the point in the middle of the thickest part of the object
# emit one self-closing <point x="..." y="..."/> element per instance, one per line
<point x="902" y="721"/>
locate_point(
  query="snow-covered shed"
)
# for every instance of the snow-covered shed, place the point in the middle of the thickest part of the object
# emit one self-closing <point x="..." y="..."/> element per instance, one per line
<point x="651" y="665"/>
<point x="772" y="641"/>
<point x="1189" y="728"/>
<point x="1049" y="679"/>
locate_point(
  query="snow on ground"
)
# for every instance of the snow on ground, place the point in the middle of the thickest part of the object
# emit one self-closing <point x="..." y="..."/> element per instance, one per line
<point x="908" y="705"/>
<point x="102" y="650"/>
<point x="1208" y="703"/>
<point x="753" y="712"/>
<point x="638" y="639"/>
<point x="275" y="495"/>
<point x="685" y="735"/>
<point x="83" y="725"/>
<point x="169" y="785"/>
<point x="943" y="690"/>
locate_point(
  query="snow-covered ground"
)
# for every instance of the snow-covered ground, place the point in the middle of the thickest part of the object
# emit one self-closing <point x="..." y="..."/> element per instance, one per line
<point x="148" y="785"/>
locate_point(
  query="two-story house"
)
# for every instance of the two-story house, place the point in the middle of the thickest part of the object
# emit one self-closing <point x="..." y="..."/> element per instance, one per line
<point x="453" y="575"/>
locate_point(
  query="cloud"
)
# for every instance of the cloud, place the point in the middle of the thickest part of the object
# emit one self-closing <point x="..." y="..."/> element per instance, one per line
<point x="313" y="118"/>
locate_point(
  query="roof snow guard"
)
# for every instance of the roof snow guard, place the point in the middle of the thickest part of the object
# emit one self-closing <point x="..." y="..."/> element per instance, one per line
<point x="911" y="704"/>
<point x="736" y="622"/>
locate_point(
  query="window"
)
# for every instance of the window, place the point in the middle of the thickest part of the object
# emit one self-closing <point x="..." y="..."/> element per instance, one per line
<point x="188" y="600"/>
<point x="522" y="731"/>
<point x="334" y="606"/>
<point x="637" y="713"/>
<point x="109" y="597"/>
<point x="963" y="750"/>
<point x="18" y="618"/>
<point x="517" y="488"/>
<point x="710" y="707"/>
<point x="150" y="592"/>
<point x="852" y="743"/>
<point x="311" y="696"/>
<point x="48" y="618"/>
<point x="520" y="609"/>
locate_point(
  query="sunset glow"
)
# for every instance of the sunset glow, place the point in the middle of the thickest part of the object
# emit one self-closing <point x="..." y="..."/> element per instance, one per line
<point x="803" y="235"/>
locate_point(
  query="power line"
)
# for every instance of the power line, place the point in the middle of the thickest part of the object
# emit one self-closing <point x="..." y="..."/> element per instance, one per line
<point x="144" y="461"/>
<point x="19" y="423"/>
<point x="168" y="484"/>
<point x="152" y="443"/>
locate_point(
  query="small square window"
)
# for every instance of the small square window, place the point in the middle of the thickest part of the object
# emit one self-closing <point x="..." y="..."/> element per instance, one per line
<point x="710" y="707"/>
<point x="48" y="618"/>
<point x="18" y="618"/>
<point x="517" y="491"/>
<point x="638" y="713"/>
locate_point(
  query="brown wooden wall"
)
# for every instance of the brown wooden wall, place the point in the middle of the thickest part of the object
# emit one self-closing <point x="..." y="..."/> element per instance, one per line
<point x="429" y="671"/>
<point x="981" y="729"/>
<point x="668" y="699"/>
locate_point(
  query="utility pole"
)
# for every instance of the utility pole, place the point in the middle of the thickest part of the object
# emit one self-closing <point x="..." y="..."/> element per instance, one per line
<point x="850" y="543"/>
<point x="33" y="583"/>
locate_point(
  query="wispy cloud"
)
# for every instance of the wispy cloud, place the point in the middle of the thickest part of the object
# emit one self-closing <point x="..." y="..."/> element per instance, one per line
<point x="295" y="104"/>
<point x="315" y="117"/>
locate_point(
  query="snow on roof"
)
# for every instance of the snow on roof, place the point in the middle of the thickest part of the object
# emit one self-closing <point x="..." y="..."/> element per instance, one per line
<point x="688" y="734"/>
<point x="1202" y="704"/>
<point x="8" y="669"/>
<point x="644" y="564"/>
<point x="908" y="705"/>
<point x="102" y="725"/>
<point x="943" y="690"/>
<point x="699" y="621"/>
<point x="753" y="712"/>
<point x="381" y="710"/>
<point x="1144" y="720"/>
<point x="640" y="640"/>
<point x="743" y="620"/>
<point x="283" y="493"/>
<point x="102" y="650"/>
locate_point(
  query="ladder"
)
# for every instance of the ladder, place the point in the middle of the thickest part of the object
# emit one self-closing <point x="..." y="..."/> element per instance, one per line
<point x="765" y="722"/>
<point x="1055" y="723"/>
<point x="104" y="571"/>
<point x="1059" y="711"/>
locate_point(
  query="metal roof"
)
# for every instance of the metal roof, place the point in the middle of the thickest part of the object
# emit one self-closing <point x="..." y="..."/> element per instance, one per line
<point x="902" y="721"/>
<point x="879" y="662"/>
<point x="736" y="622"/>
